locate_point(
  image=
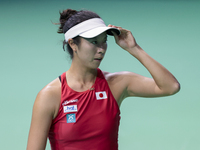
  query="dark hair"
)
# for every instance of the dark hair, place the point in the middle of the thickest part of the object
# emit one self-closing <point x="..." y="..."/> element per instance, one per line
<point x="70" y="18"/>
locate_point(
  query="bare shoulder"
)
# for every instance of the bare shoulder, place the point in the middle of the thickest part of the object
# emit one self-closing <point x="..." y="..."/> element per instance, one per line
<point x="119" y="76"/>
<point x="44" y="111"/>
<point x="118" y="82"/>
<point x="49" y="97"/>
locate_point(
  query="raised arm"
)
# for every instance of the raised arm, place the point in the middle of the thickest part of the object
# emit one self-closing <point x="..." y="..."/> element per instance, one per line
<point x="163" y="82"/>
<point x="44" y="110"/>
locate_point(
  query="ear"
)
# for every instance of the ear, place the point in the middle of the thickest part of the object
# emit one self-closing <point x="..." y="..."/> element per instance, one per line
<point x="72" y="45"/>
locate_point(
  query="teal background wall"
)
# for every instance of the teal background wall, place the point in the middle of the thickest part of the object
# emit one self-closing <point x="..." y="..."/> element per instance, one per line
<point x="31" y="56"/>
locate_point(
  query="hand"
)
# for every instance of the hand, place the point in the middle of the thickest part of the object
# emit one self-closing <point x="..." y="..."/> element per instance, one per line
<point x="125" y="40"/>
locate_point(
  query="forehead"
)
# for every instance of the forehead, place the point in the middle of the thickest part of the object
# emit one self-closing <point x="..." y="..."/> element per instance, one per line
<point x="102" y="35"/>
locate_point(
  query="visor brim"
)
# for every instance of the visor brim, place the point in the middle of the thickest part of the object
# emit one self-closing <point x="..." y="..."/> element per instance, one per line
<point x="97" y="31"/>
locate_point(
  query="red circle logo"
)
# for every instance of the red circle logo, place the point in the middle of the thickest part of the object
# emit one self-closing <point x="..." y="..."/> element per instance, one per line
<point x="101" y="95"/>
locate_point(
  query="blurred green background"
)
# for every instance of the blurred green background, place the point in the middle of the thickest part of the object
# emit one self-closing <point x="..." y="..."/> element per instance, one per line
<point x="31" y="56"/>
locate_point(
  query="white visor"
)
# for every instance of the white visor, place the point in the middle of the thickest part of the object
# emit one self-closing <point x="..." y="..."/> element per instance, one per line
<point x="89" y="29"/>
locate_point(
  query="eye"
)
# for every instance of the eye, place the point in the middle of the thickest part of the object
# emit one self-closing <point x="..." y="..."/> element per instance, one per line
<point x="94" y="42"/>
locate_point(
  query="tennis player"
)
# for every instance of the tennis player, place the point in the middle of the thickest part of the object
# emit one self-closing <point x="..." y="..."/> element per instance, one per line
<point x="79" y="110"/>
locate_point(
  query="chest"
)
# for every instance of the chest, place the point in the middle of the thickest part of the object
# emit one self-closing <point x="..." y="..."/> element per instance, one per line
<point x="92" y="113"/>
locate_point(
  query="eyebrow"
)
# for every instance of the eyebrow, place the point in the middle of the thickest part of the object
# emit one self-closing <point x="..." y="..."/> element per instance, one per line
<point x="105" y="37"/>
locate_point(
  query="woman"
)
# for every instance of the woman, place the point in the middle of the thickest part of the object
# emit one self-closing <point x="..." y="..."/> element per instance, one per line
<point x="80" y="109"/>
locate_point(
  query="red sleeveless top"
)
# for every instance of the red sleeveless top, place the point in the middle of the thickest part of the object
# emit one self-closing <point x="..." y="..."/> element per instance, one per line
<point x="86" y="120"/>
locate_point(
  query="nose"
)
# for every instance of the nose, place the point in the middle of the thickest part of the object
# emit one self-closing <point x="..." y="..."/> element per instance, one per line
<point x="101" y="48"/>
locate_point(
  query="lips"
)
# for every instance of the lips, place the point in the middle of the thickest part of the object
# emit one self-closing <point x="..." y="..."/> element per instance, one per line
<point x="98" y="58"/>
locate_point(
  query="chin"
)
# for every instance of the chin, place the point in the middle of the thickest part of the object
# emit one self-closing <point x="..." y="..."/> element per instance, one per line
<point x="95" y="66"/>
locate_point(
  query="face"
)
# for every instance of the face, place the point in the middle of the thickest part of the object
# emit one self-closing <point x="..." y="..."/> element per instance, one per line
<point x="91" y="51"/>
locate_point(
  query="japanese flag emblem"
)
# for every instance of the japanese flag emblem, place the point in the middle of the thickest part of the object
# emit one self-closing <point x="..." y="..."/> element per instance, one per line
<point x="101" y="95"/>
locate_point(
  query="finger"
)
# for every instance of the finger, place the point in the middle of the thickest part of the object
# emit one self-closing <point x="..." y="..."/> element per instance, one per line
<point x="115" y="35"/>
<point x="113" y="26"/>
<point x="118" y="27"/>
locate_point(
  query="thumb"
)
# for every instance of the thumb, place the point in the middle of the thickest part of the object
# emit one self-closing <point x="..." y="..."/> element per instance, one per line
<point x="115" y="35"/>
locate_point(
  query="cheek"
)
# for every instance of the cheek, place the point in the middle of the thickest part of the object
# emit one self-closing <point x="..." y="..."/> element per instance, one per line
<point x="88" y="52"/>
<point x="87" y="49"/>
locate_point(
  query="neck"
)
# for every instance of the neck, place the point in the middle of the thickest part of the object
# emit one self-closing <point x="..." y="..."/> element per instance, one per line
<point x="82" y="74"/>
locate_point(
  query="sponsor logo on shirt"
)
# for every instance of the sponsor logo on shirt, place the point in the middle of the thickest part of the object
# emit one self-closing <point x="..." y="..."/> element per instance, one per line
<point x="69" y="101"/>
<point x="70" y="108"/>
<point x="71" y="118"/>
<point x="101" y="95"/>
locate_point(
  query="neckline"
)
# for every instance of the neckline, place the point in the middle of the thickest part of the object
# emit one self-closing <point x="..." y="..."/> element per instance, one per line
<point x="88" y="90"/>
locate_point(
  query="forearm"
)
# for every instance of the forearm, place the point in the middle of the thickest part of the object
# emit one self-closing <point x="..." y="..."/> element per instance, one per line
<point x="162" y="77"/>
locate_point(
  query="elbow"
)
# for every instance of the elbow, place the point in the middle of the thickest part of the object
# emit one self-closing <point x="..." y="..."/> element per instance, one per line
<point x="175" y="88"/>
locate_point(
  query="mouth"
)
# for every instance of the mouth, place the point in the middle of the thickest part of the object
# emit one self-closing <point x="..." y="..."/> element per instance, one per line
<point x="99" y="59"/>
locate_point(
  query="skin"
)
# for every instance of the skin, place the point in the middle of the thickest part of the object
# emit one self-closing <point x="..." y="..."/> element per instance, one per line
<point x="82" y="74"/>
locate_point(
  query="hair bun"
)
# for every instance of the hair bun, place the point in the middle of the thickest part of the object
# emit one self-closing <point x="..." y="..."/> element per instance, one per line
<point x="64" y="16"/>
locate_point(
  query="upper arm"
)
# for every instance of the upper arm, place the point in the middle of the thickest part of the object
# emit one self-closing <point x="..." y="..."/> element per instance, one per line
<point x="141" y="86"/>
<point x="126" y="84"/>
<point x="43" y="113"/>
